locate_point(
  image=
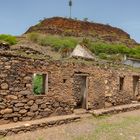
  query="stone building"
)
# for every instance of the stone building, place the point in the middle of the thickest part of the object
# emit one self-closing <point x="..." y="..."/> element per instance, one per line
<point x="67" y="85"/>
<point x="132" y="62"/>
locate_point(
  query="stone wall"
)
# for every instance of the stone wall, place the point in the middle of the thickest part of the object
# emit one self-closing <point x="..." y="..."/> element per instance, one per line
<point x="19" y="103"/>
<point x="113" y="94"/>
<point x="17" y="100"/>
<point x="79" y="86"/>
<point x="132" y="62"/>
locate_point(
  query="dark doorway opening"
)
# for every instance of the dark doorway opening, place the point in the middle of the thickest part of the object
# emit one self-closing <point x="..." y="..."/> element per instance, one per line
<point x="121" y="83"/>
<point x="80" y="90"/>
<point x="135" y="86"/>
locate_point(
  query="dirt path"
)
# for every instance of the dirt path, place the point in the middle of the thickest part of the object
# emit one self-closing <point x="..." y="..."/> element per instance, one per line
<point x="124" y="126"/>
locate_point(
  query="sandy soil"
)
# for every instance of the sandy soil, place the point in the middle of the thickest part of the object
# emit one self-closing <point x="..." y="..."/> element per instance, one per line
<point x="124" y="126"/>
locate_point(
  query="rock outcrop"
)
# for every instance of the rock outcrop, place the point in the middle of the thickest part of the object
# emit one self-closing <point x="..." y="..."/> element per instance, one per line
<point x="77" y="28"/>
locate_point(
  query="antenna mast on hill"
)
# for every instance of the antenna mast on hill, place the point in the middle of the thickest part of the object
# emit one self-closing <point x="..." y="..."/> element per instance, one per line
<point x="70" y="5"/>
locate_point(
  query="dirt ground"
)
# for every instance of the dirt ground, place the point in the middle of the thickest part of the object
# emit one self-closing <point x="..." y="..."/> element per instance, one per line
<point x="124" y="126"/>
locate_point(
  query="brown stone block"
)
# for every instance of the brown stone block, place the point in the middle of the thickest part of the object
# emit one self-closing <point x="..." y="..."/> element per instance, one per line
<point x="2" y="121"/>
<point x="2" y="105"/>
<point x="11" y="115"/>
<point x="4" y="86"/>
<point x="26" y="92"/>
<point x="22" y="111"/>
<point x="30" y="114"/>
<point x="6" y="111"/>
<point x="19" y="104"/>
<point x="26" y="118"/>
<point x="30" y="103"/>
<point x="38" y="101"/>
<point x="34" y="107"/>
<point x="11" y="97"/>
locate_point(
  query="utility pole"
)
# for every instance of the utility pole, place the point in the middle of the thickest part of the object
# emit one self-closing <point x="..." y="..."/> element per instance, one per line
<point x="70" y="5"/>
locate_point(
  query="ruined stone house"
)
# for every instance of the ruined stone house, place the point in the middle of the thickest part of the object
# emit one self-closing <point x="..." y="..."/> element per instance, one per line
<point x="67" y="85"/>
<point x="132" y="62"/>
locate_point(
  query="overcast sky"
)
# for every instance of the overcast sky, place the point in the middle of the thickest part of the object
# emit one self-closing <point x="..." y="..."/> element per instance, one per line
<point x="16" y="16"/>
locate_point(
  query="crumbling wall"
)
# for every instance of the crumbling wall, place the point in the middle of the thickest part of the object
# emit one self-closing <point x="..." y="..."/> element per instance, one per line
<point x="17" y="100"/>
<point x="78" y="81"/>
<point x="19" y="103"/>
<point x="113" y="94"/>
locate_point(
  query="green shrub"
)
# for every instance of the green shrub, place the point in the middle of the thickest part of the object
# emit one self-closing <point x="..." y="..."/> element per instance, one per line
<point x="110" y="49"/>
<point x="115" y="57"/>
<point x="37" y="82"/>
<point x="56" y="42"/>
<point x="11" y="40"/>
<point x="103" y="56"/>
<point x="34" y="37"/>
<point x="98" y="48"/>
<point x="135" y="52"/>
<point x="86" y="41"/>
<point x="67" y="44"/>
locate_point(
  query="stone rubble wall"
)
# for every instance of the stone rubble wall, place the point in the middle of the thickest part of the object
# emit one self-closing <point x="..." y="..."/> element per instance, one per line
<point x="18" y="102"/>
<point x="35" y="125"/>
<point x="77" y="89"/>
<point x="113" y="95"/>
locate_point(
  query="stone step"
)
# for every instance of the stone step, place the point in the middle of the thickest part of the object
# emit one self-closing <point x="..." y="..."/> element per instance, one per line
<point x="116" y="109"/>
<point x="86" y="115"/>
<point x="80" y="111"/>
<point x="19" y="127"/>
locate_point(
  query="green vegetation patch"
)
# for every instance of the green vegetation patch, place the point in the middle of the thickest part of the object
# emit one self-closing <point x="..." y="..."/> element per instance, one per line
<point x="104" y="49"/>
<point x="38" y="82"/>
<point x="11" y="40"/>
<point x="124" y="129"/>
<point x="101" y="49"/>
<point x="56" y="42"/>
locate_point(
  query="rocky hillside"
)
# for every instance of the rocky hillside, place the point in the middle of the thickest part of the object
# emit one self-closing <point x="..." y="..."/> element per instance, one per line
<point x="70" y="27"/>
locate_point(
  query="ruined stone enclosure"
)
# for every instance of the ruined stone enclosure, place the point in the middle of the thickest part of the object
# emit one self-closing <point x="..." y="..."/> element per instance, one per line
<point x="65" y="86"/>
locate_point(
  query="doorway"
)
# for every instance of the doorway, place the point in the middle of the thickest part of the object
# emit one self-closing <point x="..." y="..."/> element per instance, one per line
<point x="80" y="91"/>
<point x="135" y="86"/>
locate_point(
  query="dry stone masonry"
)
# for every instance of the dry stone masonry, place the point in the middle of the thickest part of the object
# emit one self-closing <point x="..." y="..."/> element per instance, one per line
<point x="102" y="88"/>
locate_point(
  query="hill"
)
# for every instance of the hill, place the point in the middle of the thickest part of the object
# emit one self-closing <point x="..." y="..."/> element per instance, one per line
<point x="55" y="38"/>
<point x="76" y="28"/>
